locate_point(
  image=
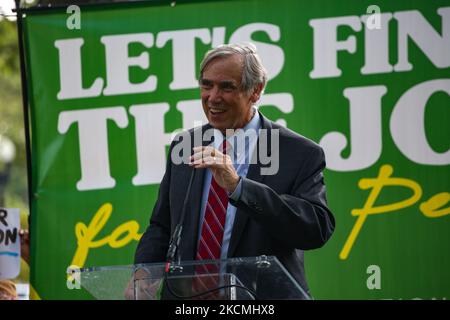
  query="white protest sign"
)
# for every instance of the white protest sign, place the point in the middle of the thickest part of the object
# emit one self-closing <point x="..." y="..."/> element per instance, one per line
<point x="9" y="243"/>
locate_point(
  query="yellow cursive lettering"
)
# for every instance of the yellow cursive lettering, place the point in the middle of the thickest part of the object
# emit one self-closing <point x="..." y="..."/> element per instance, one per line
<point x="120" y="237"/>
<point x="429" y="207"/>
<point x="377" y="184"/>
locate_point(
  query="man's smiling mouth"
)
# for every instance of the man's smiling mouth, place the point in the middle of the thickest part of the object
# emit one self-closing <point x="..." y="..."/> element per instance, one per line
<point x="215" y="111"/>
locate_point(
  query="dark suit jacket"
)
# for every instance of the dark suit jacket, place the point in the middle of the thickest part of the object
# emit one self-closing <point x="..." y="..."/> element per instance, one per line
<point x="280" y="215"/>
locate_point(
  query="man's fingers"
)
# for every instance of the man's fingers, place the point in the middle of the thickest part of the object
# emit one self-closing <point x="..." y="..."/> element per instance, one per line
<point x="198" y="156"/>
<point x="211" y="162"/>
<point x="203" y="149"/>
<point x="204" y="152"/>
<point x="196" y="149"/>
<point x="205" y="162"/>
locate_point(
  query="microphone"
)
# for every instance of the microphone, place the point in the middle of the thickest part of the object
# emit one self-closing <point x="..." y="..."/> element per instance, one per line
<point x="176" y="236"/>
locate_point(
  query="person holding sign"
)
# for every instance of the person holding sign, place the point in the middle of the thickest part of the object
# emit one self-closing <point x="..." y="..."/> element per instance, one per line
<point x="9" y="243"/>
<point x="14" y="244"/>
<point x="238" y="206"/>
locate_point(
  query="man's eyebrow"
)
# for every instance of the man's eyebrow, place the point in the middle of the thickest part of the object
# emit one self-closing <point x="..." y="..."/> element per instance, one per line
<point x="221" y="83"/>
<point x="228" y="83"/>
<point x="203" y="80"/>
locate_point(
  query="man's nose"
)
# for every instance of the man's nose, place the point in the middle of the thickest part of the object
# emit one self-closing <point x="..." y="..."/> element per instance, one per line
<point x="215" y="95"/>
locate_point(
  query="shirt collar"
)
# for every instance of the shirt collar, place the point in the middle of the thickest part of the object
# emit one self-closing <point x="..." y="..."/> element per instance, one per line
<point x="253" y="124"/>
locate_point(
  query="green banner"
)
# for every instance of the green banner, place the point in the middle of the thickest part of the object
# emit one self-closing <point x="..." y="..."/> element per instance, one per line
<point x="109" y="85"/>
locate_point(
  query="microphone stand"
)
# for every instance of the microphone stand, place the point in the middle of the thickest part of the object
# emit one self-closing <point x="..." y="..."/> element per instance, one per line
<point x="174" y="243"/>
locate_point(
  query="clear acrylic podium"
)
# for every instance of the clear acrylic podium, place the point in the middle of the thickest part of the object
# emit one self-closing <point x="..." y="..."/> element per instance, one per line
<point x="252" y="278"/>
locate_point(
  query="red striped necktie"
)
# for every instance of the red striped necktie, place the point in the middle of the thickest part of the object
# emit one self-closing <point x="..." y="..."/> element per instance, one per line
<point x="210" y="243"/>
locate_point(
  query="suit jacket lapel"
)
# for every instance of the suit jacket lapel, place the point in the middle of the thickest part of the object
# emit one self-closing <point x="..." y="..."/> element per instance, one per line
<point x="254" y="173"/>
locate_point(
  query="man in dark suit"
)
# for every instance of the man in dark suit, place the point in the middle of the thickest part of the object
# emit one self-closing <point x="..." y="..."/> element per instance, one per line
<point x="234" y="209"/>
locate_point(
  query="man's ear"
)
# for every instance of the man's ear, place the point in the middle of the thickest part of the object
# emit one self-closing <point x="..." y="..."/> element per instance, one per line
<point x="256" y="94"/>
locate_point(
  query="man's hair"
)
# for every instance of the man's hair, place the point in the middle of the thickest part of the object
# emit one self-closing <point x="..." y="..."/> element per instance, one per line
<point x="253" y="72"/>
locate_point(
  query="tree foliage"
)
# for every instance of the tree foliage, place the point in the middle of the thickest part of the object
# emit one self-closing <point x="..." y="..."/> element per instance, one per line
<point x="11" y="114"/>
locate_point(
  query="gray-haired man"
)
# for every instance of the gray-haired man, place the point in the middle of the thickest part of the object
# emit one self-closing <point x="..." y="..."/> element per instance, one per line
<point x="233" y="209"/>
